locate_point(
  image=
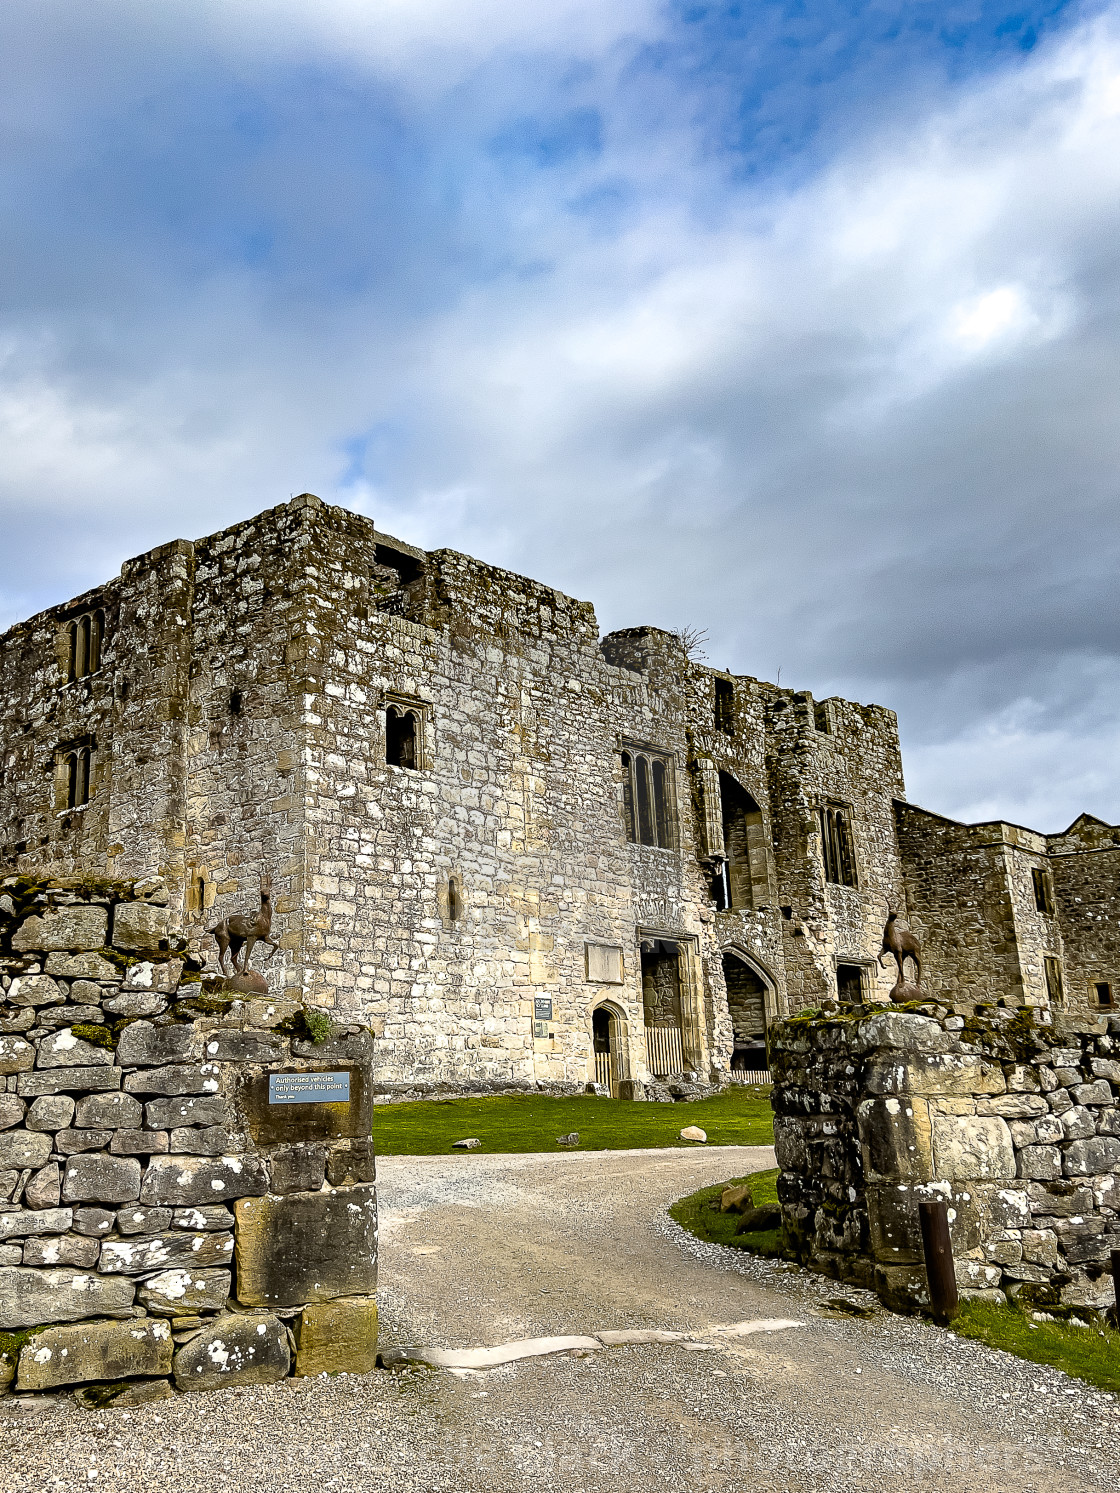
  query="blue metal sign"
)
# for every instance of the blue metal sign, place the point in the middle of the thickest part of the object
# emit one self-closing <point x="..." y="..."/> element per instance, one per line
<point x="309" y="1088"/>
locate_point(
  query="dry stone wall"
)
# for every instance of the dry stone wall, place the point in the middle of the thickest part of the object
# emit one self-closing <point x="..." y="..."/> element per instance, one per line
<point x="1012" y="1120"/>
<point x="163" y="1224"/>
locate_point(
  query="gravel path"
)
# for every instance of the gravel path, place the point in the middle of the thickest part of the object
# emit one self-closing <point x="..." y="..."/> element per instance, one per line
<point x="481" y="1250"/>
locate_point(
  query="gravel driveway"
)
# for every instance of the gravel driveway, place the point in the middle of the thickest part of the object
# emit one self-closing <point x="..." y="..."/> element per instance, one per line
<point x="482" y="1250"/>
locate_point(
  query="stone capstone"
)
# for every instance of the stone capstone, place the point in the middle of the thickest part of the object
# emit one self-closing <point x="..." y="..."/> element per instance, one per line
<point x="185" y="1180"/>
<point x="306" y="1247"/>
<point x="95" y="1350"/>
<point x="236" y="1350"/>
<point x="63" y="928"/>
<point x="29" y="1297"/>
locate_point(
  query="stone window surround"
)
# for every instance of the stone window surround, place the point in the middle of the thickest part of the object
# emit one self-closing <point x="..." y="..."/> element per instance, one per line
<point x="422" y="710"/>
<point x="835" y="812"/>
<point x="692" y="987"/>
<point x="83" y="643"/>
<point x="69" y="768"/>
<point x="664" y="821"/>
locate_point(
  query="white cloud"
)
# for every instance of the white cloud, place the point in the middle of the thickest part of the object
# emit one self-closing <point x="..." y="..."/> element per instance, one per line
<point x="863" y="428"/>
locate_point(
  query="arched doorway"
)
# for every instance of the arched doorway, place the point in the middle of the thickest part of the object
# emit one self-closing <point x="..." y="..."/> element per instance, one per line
<point x="746" y="1002"/>
<point x="608" y="1042"/>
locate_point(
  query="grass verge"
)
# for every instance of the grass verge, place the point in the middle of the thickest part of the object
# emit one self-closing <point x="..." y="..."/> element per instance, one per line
<point x="1091" y="1353"/>
<point x="696" y="1214"/>
<point x="532" y="1122"/>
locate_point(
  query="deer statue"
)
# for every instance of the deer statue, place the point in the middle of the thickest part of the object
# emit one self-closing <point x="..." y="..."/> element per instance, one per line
<point x="238" y="933"/>
<point x="899" y="941"/>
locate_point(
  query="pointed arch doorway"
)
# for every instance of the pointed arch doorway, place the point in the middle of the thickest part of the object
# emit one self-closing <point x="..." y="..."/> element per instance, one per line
<point x="608" y="1041"/>
<point x="748" y="996"/>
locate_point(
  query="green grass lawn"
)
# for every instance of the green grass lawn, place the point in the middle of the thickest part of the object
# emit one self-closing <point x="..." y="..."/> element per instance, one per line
<point x="1091" y="1353"/>
<point x="696" y="1214"/>
<point x="531" y="1122"/>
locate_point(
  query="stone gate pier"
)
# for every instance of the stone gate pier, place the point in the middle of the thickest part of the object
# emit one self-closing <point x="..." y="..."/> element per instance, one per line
<point x="187" y="1194"/>
<point x="1008" y="1114"/>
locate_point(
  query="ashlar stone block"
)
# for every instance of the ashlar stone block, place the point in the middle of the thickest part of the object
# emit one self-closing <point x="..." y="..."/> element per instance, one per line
<point x="895" y="1134"/>
<point x="337" y="1337"/>
<point x="306" y="1247"/>
<point x="972" y="1149"/>
<point x="95" y="1350"/>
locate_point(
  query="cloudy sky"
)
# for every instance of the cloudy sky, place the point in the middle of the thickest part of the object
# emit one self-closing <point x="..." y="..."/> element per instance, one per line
<point x="797" y="322"/>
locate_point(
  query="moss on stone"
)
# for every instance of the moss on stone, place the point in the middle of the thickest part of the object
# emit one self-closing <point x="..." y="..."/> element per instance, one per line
<point x="95" y="1034"/>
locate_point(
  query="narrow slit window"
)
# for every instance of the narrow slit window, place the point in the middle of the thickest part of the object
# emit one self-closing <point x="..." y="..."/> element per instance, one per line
<point x="1043" y="889"/>
<point x="628" y="797"/>
<point x="725" y="706"/>
<point x="1054" y="986"/>
<point x="77" y="777"/>
<point x="454" y="899"/>
<point x="645" y="815"/>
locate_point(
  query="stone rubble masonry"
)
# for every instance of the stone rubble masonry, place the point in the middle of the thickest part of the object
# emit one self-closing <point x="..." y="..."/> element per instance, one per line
<point x="238" y="726"/>
<point x="875" y="1109"/>
<point x="160" y="1221"/>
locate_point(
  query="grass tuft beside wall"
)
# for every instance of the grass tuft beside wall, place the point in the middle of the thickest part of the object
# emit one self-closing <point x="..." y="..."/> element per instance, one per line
<point x="532" y="1122"/>
<point x="696" y="1214"/>
<point x="1091" y="1352"/>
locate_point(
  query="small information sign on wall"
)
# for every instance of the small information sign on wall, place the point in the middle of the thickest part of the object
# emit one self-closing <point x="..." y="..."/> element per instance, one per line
<point x="309" y="1088"/>
<point x="542" y="1008"/>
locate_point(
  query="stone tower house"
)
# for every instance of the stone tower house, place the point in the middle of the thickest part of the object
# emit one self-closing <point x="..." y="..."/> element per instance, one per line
<point x="520" y="851"/>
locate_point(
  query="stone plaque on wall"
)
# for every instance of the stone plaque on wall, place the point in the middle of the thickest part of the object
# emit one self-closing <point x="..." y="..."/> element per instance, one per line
<point x="604" y="963"/>
<point x="303" y="1104"/>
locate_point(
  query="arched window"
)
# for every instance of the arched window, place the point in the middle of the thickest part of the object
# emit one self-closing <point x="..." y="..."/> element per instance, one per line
<point x="77" y="777"/>
<point x="836" y="846"/>
<point x="647" y="799"/>
<point x="401" y="737"/>
<point x="84" y="638"/>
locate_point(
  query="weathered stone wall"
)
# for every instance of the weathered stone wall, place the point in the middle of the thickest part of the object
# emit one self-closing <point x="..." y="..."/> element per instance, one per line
<point x="238" y="720"/>
<point x="160" y="1220"/>
<point x="1014" y="1122"/>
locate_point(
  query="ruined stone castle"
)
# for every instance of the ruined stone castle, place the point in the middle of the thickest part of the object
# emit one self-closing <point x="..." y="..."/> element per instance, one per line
<point x="518" y="851"/>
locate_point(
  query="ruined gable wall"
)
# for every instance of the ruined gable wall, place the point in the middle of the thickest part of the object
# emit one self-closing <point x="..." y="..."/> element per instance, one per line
<point x="957" y="890"/>
<point x="1087" y="901"/>
<point x="130" y="710"/>
<point x="856" y="764"/>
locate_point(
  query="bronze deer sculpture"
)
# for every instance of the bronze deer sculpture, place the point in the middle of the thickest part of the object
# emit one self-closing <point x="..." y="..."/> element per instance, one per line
<point x="899" y="941"/>
<point x="237" y="933"/>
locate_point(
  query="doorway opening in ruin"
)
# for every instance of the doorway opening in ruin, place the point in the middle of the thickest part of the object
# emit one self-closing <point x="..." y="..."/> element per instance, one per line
<point x="661" y="999"/>
<point x="849" y="982"/>
<point x="608" y="1045"/>
<point x="746" y="1002"/>
<point x="744" y="839"/>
